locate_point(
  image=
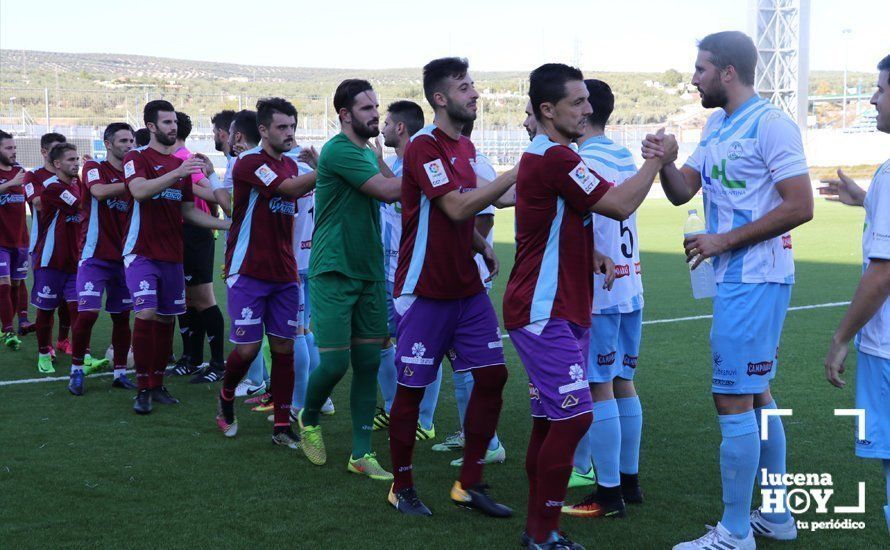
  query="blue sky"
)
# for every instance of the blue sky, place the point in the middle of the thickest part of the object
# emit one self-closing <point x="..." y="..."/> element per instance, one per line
<point x="627" y="35"/>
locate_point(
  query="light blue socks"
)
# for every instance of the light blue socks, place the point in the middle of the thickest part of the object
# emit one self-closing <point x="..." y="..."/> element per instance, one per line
<point x="739" y="456"/>
<point x="631" y="418"/>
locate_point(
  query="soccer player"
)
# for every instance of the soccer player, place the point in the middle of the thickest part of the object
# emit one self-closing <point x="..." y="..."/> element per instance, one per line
<point x="440" y="302"/>
<point x="262" y="279"/>
<point x="58" y="247"/>
<point x="160" y="186"/>
<point x="612" y="445"/>
<point x="143" y="136"/>
<point x="869" y="312"/>
<point x="549" y="296"/>
<point x="403" y="120"/>
<point x="347" y="289"/>
<point x="751" y="169"/>
<point x="202" y="315"/>
<point x="222" y="125"/>
<point x="33" y="188"/>
<point x="13" y="251"/>
<point x="106" y="204"/>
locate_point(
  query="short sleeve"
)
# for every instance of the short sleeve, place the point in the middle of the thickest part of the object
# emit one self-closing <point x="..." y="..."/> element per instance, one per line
<point x="351" y="164"/>
<point x="781" y="148"/>
<point x="483" y="168"/>
<point x="428" y="167"/>
<point x="227" y="179"/>
<point x="30" y="187"/>
<point x="58" y="196"/>
<point x="254" y="171"/>
<point x="135" y="166"/>
<point x="91" y="174"/>
<point x="572" y="180"/>
<point x="880" y="222"/>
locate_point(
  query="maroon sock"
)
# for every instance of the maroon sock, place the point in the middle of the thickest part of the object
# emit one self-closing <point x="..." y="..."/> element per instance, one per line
<point x="282" y="386"/>
<point x="481" y="420"/>
<point x="120" y="337"/>
<point x="236" y="368"/>
<point x="163" y="349"/>
<point x="402" y="430"/>
<point x="22" y="302"/>
<point x="44" y="330"/>
<point x="7" y="312"/>
<point x="143" y="351"/>
<point x="554" y="469"/>
<point x="64" y="321"/>
<point x="80" y="335"/>
<point x="540" y="427"/>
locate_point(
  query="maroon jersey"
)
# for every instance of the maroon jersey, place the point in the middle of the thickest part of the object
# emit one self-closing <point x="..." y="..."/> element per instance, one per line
<point x="155" y="224"/>
<point x="105" y="221"/>
<point x="436" y="253"/>
<point x="553" y="272"/>
<point x="58" y="239"/>
<point x="34" y="180"/>
<point x="261" y="239"/>
<point x="13" y="231"/>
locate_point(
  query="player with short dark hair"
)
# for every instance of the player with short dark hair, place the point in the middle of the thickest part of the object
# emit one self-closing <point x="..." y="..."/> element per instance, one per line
<point x="261" y="270"/>
<point x="143" y="136"/>
<point x="58" y="245"/>
<point x="347" y="288"/>
<point x="105" y="205"/>
<point x="440" y="302"/>
<point x="751" y="169"/>
<point x="13" y="238"/>
<point x="163" y="199"/>
<point x="549" y="296"/>
<point x="869" y="312"/>
<point x="221" y="122"/>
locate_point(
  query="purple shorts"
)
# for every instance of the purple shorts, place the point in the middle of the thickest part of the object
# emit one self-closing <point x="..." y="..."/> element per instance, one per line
<point x="466" y="329"/>
<point x="52" y="287"/>
<point x="556" y="362"/>
<point x="95" y="276"/>
<point x="155" y="284"/>
<point x="254" y="304"/>
<point x="14" y="263"/>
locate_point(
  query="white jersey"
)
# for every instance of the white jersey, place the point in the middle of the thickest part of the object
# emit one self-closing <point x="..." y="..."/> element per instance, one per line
<point x="227" y="179"/>
<point x="485" y="170"/>
<point x="874" y="338"/>
<point x="304" y="219"/>
<point x="391" y="226"/>
<point x="741" y="158"/>
<point x="617" y="240"/>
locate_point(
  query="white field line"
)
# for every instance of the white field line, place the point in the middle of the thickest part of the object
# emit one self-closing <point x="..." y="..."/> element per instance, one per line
<point x="504" y="336"/>
<point x="701" y="317"/>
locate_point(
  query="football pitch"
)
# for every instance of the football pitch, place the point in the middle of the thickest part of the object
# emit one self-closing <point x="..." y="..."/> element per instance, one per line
<point x="88" y="472"/>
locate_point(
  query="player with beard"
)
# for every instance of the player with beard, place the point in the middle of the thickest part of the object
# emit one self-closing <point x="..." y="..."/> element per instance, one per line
<point x="158" y="182"/>
<point x="440" y="302"/>
<point x="751" y="169"/>
<point x="261" y="270"/>
<point x="106" y="204"/>
<point x="347" y="284"/>
<point x="58" y="246"/>
<point x="13" y="244"/>
<point x="549" y="296"/>
<point x="33" y="187"/>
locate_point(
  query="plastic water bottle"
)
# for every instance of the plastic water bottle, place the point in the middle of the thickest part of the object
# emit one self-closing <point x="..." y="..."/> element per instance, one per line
<point x="704" y="282"/>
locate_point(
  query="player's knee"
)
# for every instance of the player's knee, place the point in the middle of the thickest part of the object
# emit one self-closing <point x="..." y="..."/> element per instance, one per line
<point x="733" y="404"/>
<point x="624" y="388"/>
<point x="122" y="317"/>
<point x="490" y="379"/>
<point x="281" y="345"/>
<point x="5" y="281"/>
<point x="602" y="391"/>
<point x="147" y="314"/>
<point x="248" y="352"/>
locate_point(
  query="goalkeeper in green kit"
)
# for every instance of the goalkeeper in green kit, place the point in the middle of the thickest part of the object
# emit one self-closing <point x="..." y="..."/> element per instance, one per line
<point x="347" y="290"/>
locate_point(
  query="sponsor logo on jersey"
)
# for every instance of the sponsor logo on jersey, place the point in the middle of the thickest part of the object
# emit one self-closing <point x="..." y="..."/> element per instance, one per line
<point x="622" y="271"/>
<point x="576" y="373"/>
<point x="306" y="245"/>
<point x="29" y="189"/>
<point x="169" y="194"/>
<point x="265" y="174"/>
<point x="418" y="350"/>
<point x="283" y="206"/>
<point x="719" y="173"/>
<point x="129" y="169"/>
<point x="582" y="176"/>
<point x="718" y="360"/>
<point x="68" y="197"/>
<point x="11" y="198"/>
<point x="786" y="241"/>
<point x="605" y="360"/>
<point x="117" y="204"/>
<point x="761" y="368"/>
<point x="533" y="392"/>
<point x="435" y="171"/>
<point x="74" y="218"/>
<point x="638" y="268"/>
<point x="93" y="174"/>
<point x="630" y="361"/>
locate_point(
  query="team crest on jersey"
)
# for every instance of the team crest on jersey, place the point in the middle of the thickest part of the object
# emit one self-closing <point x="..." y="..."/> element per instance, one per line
<point x="129" y="169"/>
<point x="435" y="171"/>
<point x="582" y="176"/>
<point x="265" y="174"/>
<point x="93" y="174"/>
<point x="735" y="151"/>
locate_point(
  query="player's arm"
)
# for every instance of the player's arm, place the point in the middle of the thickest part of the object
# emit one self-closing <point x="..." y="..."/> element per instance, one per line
<point x="297" y="186"/>
<point x="17" y="180"/>
<point x="508" y="199"/>
<point x="843" y="189"/>
<point x="224" y="200"/>
<point x="796" y="209"/>
<point x="97" y="186"/>
<point x="872" y="292"/>
<point x="604" y="265"/>
<point x="484" y="223"/>
<point x="383" y="188"/>
<point x="200" y="218"/>
<point x="680" y="184"/>
<point x="143" y="188"/>
<point x="620" y="202"/>
<point x="57" y="196"/>
<point x="463" y="206"/>
<point x="377" y="147"/>
<point x="202" y="190"/>
<point x="480" y="245"/>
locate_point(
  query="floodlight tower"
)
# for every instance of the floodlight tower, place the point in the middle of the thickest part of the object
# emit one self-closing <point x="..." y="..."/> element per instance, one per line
<point x="781" y="32"/>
